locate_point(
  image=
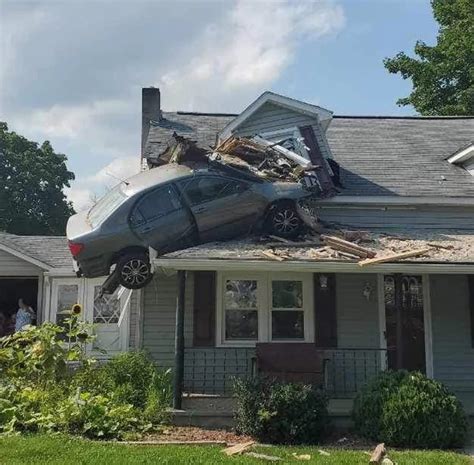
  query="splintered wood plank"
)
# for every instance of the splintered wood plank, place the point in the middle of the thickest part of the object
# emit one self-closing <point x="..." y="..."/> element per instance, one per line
<point x="395" y="257"/>
<point x="238" y="448"/>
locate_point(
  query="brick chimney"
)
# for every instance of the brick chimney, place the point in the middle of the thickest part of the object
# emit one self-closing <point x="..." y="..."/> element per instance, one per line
<point x="150" y="112"/>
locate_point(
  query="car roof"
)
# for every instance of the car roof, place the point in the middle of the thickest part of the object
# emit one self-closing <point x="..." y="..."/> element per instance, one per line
<point x="154" y="177"/>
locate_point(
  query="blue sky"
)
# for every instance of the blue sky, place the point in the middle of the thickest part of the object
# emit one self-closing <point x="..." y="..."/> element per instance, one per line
<point x="73" y="70"/>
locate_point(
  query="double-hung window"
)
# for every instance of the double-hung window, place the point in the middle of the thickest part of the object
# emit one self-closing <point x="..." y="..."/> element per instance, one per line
<point x="264" y="307"/>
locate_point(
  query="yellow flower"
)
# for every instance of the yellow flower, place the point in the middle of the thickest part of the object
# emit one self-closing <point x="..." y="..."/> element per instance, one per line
<point x="76" y="309"/>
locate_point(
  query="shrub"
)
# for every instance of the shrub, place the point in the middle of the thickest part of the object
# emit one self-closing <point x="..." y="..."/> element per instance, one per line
<point x="281" y="413"/>
<point x="409" y="410"/>
<point x="130" y="378"/>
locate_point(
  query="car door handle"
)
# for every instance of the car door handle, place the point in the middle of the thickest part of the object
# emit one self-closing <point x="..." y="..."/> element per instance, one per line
<point x="200" y="210"/>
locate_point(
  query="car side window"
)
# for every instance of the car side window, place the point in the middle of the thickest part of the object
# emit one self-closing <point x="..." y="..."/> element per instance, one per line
<point x="205" y="189"/>
<point x="154" y="205"/>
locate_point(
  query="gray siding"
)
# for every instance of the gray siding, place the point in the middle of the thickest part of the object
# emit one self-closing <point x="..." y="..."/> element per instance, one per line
<point x="453" y="355"/>
<point x="211" y="370"/>
<point x="459" y="218"/>
<point x="12" y="266"/>
<point x="271" y="117"/>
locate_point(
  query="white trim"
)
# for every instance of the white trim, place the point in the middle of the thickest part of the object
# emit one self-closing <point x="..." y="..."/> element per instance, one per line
<point x="264" y="308"/>
<point x="388" y="201"/>
<point x="462" y="155"/>
<point x="58" y="272"/>
<point x="25" y="257"/>
<point x="382" y="320"/>
<point x="297" y="105"/>
<point x="206" y="264"/>
<point x="428" y="328"/>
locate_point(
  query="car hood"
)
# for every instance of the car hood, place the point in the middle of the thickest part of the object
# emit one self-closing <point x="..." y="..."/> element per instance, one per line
<point x="286" y="190"/>
<point x="77" y="226"/>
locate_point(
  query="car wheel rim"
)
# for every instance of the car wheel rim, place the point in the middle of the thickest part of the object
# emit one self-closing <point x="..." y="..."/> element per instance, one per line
<point x="286" y="221"/>
<point x="135" y="272"/>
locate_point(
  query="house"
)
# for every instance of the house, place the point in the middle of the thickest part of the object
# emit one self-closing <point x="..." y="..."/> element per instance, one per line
<point x="406" y="180"/>
<point x="39" y="269"/>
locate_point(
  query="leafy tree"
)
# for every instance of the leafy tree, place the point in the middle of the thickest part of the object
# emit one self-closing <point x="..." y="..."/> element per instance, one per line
<point x="443" y="75"/>
<point x="32" y="179"/>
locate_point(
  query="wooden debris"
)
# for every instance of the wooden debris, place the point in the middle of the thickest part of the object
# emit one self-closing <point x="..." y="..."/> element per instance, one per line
<point x="441" y="246"/>
<point x="293" y="244"/>
<point x="378" y="454"/>
<point x="348" y="247"/>
<point x="238" y="448"/>
<point x="387" y="461"/>
<point x="270" y="458"/>
<point x="395" y="257"/>
<point x="301" y="456"/>
<point x="323" y="452"/>
<point x="272" y="255"/>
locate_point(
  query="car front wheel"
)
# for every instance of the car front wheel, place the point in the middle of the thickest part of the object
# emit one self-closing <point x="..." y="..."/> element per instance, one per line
<point x="134" y="271"/>
<point x="284" y="221"/>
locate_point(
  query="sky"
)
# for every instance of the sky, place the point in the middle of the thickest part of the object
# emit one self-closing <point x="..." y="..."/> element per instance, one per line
<point x="71" y="71"/>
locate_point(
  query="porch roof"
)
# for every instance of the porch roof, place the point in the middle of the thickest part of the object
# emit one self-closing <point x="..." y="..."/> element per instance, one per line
<point x="448" y="250"/>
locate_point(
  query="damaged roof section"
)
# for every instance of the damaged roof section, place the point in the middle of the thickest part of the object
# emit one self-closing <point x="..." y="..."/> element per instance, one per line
<point x="426" y="247"/>
<point x="291" y="159"/>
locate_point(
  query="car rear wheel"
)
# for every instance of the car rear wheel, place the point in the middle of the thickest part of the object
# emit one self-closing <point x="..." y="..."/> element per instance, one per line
<point x="134" y="271"/>
<point x="284" y="221"/>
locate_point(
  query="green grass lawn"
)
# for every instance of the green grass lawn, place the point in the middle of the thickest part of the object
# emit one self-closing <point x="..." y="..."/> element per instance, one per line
<point x="35" y="450"/>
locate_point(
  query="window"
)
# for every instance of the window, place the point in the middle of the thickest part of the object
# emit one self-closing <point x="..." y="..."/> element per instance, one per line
<point x="287" y="310"/>
<point x="241" y="310"/>
<point x="290" y="139"/>
<point x="264" y="307"/>
<point x="106" y="205"/>
<point x="205" y="189"/>
<point x="154" y="205"/>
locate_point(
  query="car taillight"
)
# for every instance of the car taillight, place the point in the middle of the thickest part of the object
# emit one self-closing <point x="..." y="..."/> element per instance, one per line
<point x="75" y="248"/>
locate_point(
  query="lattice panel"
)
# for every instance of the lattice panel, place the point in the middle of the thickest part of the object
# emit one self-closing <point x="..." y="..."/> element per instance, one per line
<point x="106" y="308"/>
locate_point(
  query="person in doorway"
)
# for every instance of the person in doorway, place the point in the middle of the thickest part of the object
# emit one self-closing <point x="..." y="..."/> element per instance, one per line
<point x="24" y="315"/>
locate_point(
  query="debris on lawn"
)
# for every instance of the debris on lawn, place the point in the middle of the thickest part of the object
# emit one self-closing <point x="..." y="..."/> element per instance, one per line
<point x="270" y="458"/>
<point x="301" y="456"/>
<point x="238" y="448"/>
<point x="378" y="454"/>
<point x="323" y="452"/>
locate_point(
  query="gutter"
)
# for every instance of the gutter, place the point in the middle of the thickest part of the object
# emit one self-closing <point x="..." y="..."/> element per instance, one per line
<point x="209" y="264"/>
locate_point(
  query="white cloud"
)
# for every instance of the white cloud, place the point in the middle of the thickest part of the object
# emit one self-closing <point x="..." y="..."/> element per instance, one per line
<point x="245" y="52"/>
<point x="78" y="82"/>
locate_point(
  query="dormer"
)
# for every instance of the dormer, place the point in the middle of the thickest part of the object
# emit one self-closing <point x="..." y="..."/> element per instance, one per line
<point x="464" y="158"/>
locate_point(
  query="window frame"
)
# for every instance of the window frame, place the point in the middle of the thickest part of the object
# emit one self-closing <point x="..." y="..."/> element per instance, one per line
<point x="182" y="185"/>
<point x="136" y="206"/>
<point x="264" y="306"/>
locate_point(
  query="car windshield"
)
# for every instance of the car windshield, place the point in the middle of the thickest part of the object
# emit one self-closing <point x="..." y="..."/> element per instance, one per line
<point x="105" y="206"/>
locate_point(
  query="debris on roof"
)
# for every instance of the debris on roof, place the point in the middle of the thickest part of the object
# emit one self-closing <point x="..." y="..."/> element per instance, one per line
<point x="256" y="156"/>
<point x="435" y="246"/>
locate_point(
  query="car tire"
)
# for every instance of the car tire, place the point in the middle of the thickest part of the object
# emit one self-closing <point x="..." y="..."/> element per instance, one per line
<point x="134" y="271"/>
<point x="284" y="221"/>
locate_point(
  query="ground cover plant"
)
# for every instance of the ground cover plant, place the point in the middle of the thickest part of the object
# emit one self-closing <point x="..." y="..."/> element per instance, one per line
<point x="409" y="410"/>
<point x="280" y="413"/>
<point x="48" y="383"/>
<point x="50" y="450"/>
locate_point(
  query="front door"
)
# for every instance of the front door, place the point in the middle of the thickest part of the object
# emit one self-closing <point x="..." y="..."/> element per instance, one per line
<point x="404" y="314"/>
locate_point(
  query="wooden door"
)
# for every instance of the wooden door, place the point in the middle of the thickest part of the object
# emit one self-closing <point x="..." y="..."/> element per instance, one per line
<point x="405" y="331"/>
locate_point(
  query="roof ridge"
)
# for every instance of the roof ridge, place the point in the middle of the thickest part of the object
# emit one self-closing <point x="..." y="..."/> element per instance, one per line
<point x="199" y="113"/>
<point x="415" y="117"/>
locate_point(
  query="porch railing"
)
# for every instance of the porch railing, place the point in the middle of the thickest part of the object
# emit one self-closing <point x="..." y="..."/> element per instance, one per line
<point x="213" y="370"/>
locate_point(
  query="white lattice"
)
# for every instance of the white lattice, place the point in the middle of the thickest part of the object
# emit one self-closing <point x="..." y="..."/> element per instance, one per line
<point x="106" y="308"/>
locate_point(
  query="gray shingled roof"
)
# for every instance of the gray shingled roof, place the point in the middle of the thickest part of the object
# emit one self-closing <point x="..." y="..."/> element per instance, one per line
<point x="378" y="155"/>
<point x="51" y="250"/>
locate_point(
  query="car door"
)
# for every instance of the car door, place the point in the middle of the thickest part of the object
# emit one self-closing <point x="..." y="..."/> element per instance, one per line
<point x="222" y="207"/>
<point x="161" y="221"/>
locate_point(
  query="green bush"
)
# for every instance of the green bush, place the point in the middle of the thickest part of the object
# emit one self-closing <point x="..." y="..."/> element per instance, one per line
<point x="130" y="378"/>
<point x="38" y="393"/>
<point x="409" y="410"/>
<point x="280" y="413"/>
